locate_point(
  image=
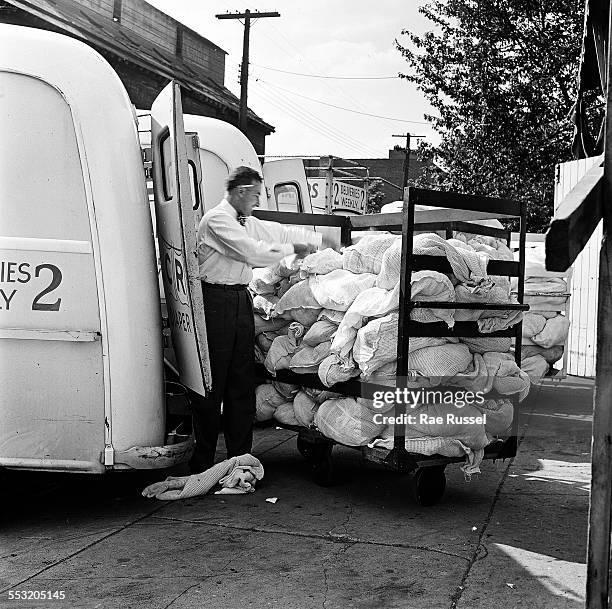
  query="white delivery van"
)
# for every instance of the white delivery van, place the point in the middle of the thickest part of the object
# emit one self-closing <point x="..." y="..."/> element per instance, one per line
<point x="81" y="355"/>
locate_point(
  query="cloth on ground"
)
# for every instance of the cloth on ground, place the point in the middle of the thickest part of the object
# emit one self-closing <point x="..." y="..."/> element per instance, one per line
<point x="347" y="421"/>
<point x="337" y="290"/>
<point x="240" y="473"/>
<point x="366" y="255"/>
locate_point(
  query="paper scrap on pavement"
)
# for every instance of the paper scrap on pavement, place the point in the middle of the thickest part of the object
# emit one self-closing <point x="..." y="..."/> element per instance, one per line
<point x="272" y="499"/>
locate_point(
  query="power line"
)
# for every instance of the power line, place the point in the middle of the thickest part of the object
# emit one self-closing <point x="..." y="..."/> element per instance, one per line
<point x="314" y="124"/>
<point x="318" y="101"/>
<point x="305" y="113"/>
<point x="328" y="84"/>
<point x="327" y="77"/>
<point x="313" y="121"/>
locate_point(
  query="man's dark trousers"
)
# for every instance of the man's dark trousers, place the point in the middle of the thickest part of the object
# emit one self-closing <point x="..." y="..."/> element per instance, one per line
<point x="231" y="345"/>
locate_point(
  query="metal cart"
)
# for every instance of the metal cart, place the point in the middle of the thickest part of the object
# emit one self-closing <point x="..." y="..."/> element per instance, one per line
<point x="454" y="212"/>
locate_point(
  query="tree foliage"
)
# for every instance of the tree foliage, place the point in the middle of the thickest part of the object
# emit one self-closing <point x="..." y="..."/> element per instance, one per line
<point x="376" y="197"/>
<point x="501" y="75"/>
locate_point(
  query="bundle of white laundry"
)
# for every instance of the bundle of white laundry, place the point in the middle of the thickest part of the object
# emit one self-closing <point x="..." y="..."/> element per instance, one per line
<point x="545" y="327"/>
<point x="336" y="315"/>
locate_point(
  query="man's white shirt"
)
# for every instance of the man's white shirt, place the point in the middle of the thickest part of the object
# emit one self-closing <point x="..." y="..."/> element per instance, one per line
<point x="228" y="251"/>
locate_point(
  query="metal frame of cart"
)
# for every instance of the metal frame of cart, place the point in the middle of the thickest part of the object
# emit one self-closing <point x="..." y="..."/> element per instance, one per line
<point x="453" y="214"/>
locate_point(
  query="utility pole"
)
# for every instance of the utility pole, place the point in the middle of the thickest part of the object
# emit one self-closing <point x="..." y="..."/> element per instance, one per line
<point x="407" y="154"/>
<point x="244" y="68"/>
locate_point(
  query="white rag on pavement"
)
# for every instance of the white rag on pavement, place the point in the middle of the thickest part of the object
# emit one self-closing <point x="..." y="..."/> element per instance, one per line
<point x="238" y="473"/>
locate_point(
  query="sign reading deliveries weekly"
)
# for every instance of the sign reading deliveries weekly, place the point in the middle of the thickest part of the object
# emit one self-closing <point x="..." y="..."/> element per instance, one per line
<point x="345" y="197"/>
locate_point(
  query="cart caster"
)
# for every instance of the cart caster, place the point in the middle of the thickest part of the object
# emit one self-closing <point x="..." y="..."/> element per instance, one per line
<point x="305" y="448"/>
<point x="428" y="485"/>
<point x="323" y="467"/>
<point x="318" y="454"/>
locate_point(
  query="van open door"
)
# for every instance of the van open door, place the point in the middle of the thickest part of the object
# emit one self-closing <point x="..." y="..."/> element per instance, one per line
<point x="286" y="186"/>
<point x="176" y="234"/>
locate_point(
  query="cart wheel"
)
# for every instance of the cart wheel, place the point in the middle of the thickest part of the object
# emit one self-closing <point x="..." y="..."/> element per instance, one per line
<point x="305" y="448"/>
<point x="322" y="466"/>
<point x="428" y="485"/>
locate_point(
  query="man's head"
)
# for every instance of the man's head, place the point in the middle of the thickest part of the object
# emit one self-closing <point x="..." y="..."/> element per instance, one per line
<point x="244" y="188"/>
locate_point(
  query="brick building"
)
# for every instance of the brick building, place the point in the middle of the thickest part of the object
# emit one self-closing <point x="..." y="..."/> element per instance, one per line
<point x="391" y="170"/>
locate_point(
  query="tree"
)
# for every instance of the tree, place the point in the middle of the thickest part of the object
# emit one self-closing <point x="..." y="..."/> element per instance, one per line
<point x="502" y="78"/>
<point x="376" y="197"/>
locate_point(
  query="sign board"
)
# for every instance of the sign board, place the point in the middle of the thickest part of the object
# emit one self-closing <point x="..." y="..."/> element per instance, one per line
<point x="345" y="197"/>
<point x="176" y="233"/>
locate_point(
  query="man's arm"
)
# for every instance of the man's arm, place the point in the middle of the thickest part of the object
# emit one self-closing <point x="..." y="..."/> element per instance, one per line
<point x="237" y="244"/>
<point x="280" y="233"/>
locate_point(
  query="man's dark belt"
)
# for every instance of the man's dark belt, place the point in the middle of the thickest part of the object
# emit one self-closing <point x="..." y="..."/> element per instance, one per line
<point x="235" y="287"/>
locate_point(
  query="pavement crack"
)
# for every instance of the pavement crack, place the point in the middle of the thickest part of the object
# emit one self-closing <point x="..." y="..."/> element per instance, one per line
<point x="331" y="537"/>
<point x="477" y="554"/>
<point x="83" y="549"/>
<point x="333" y="555"/>
<point x="181" y="594"/>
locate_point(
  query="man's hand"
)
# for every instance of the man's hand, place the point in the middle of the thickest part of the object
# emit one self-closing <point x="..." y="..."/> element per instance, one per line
<point x="303" y="249"/>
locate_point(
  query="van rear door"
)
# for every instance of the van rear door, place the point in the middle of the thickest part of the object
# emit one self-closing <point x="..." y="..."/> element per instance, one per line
<point x="286" y="186"/>
<point x="176" y="234"/>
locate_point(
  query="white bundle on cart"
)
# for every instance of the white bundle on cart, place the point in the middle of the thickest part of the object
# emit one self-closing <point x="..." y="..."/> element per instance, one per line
<point x="343" y="316"/>
<point x="545" y="329"/>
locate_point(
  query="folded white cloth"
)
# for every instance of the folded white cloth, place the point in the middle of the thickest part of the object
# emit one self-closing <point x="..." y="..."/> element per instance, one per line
<point x="239" y="473"/>
<point x="468" y="266"/>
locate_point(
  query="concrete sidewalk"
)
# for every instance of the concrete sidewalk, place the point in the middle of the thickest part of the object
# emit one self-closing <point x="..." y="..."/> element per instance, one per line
<point x="515" y="536"/>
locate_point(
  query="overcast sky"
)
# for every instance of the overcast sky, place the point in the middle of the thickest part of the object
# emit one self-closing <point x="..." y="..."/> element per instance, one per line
<point x="347" y="38"/>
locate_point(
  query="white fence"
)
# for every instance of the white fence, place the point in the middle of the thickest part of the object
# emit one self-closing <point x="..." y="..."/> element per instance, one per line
<point x="582" y="338"/>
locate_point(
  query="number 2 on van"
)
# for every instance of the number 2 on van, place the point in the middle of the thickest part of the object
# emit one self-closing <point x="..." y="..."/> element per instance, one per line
<point x="22" y="273"/>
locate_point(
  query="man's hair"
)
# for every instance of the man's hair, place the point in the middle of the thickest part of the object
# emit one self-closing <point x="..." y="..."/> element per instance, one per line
<point x="242" y="176"/>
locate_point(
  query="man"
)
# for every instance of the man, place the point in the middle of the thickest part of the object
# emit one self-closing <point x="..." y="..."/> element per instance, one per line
<point x="230" y="243"/>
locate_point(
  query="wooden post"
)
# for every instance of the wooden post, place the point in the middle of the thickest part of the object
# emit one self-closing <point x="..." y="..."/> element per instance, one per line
<point x="600" y="509"/>
<point x="247" y="15"/>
